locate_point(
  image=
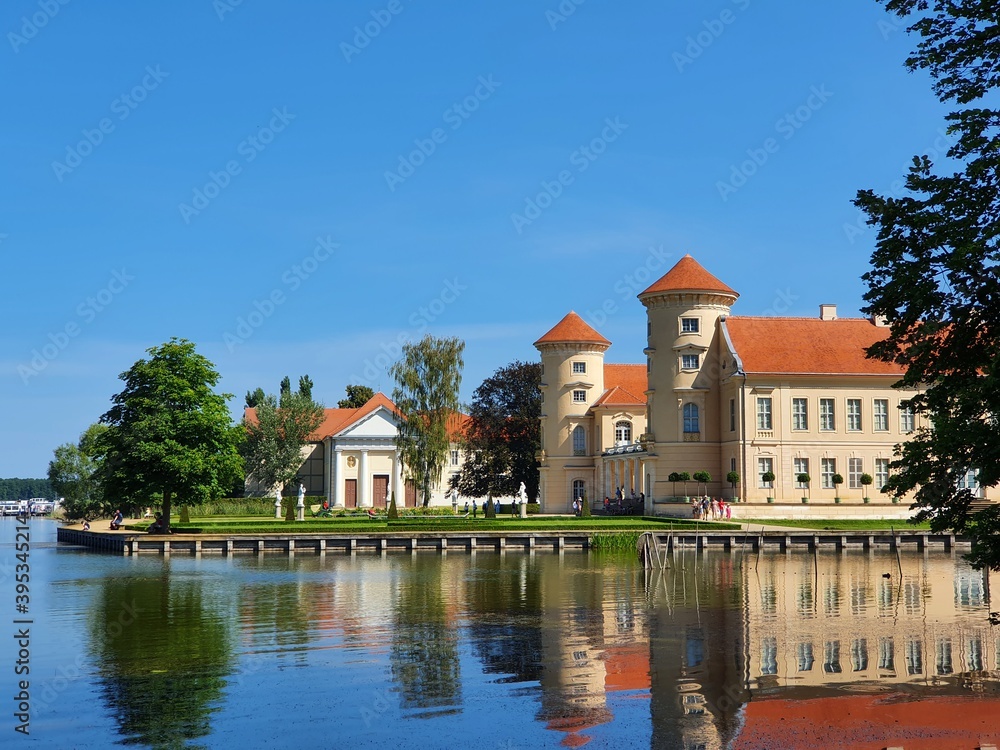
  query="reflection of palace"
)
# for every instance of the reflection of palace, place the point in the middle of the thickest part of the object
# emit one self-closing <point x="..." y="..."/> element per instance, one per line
<point x="850" y="623"/>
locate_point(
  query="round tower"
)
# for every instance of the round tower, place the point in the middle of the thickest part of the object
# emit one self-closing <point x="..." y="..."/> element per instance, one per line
<point x="683" y="364"/>
<point x="572" y="380"/>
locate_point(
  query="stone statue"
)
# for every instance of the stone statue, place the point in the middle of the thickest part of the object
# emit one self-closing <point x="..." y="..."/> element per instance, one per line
<point x="302" y="494"/>
<point x="522" y="494"/>
<point x="277" y="502"/>
<point x="300" y="514"/>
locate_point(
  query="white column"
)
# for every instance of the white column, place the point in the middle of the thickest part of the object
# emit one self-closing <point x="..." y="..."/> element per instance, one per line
<point x="364" y="501"/>
<point x="636" y="476"/>
<point x="397" y="480"/>
<point x="337" y="477"/>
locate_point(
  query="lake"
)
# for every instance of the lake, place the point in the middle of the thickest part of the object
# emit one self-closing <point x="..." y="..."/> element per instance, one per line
<point x="504" y="651"/>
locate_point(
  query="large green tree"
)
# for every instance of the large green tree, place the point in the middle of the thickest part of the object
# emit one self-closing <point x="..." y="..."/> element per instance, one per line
<point x="170" y="435"/>
<point x="74" y="473"/>
<point x="357" y="396"/>
<point x="428" y="376"/>
<point x="276" y="432"/>
<point x="935" y="276"/>
<point x="503" y="433"/>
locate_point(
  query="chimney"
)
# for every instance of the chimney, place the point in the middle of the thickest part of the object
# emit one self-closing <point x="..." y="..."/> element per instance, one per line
<point x="827" y="312"/>
<point x="880" y="320"/>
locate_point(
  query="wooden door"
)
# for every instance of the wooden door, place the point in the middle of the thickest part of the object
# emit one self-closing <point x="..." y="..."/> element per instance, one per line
<point x="380" y="484"/>
<point x="411" y="494"/>
<point x="351" y="493"/>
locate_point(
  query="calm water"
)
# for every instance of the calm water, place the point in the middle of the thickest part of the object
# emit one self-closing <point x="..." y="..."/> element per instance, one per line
<point x="506" y="652"/>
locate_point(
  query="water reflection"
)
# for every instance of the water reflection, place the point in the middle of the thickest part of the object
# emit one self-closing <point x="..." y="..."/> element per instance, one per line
<point x="526" y="651"/>
<point x="164" y="651"/>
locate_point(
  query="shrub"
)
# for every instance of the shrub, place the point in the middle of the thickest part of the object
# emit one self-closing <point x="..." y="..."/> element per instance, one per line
<point x="585" y="506"/>
<point x="393" y="513"/>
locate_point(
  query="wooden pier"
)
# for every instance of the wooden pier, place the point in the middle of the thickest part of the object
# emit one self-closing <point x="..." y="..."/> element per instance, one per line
<point x="119" y="543"/>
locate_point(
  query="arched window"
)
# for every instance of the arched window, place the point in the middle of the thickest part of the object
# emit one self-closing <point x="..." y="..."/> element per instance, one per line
<point x="579" y="488"/>
<point x="623" y="432"/>
<point x="579" y="441"/>
<point x="691" y="422"/>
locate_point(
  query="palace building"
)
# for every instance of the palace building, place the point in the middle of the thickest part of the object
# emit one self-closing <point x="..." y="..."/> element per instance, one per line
<point x="719" y="393"/>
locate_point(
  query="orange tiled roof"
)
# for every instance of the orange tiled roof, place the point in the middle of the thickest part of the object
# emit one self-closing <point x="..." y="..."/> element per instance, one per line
<point x="572" y="330"/>
<point x="624" y="385"/>
<point x="338" y="420"/>
<point x="689" y="274"/>
<point x="807" y="346"/>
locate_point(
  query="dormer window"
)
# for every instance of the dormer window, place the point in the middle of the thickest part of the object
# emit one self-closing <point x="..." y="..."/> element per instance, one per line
<point x="689" y="325"/>
<point x="690" y="361"/>
<point x="579" y="368"/>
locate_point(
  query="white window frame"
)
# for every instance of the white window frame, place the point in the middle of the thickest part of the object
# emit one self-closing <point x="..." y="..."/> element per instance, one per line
<point x="454" y="457"/>
<point x="623" y="432"/>
<point x="799" y="466"/>
<point x="579" y="397"/>
<point x="855" y="468"/>
<point x="827" y="415"/>
<point x="764" y="465"/>
<point x="907" y="420"/>
<point x="880" y="415"/>
<point x="828" y="467"/>
<point x="764" y="413"/>
<point x="692" y="418"/>
<point x="690" y="325"/>
<point x="800" y="414"/>
<point x="579" y="488"/>
<point x="881" y="475"/>
<point x="854" y="415"/>
<point x="690" y="361"/>
<point x="579" y="368"/>
<point x="579" y="440"/>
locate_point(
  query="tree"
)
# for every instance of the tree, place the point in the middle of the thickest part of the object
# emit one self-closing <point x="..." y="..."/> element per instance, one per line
<point x="684" y="478"/>
<point x="503" y="433"/>
<point x="357" y="396"/>
<point x="674" y="478"/>
<point x="935" y="278"/>
<point x="838" y="479"/>
<point x="428" y="376"/>
<point x="253" y="398"/>
<point x="733" y="478"/>
<point x="702" y="478"/>
<point x="804" y="478"/>
<point x="768" y="478"/>
<point x="74" y="474"/>
<point x="276" y="432"/>
<point x="866" y="481"/>
<point x="169" y="434"/>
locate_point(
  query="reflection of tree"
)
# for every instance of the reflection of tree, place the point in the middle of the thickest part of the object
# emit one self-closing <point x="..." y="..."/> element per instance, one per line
<point x="164" y="657"/>
<point x="424" y="653"/>
<point x="281" y="611"/>
<point x="506" y="615"/>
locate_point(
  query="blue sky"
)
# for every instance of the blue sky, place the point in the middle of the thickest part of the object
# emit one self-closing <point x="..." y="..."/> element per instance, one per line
<point x="297" y="186"/>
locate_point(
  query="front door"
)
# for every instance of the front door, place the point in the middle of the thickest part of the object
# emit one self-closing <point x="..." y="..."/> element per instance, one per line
<point x="411" y="494"/>
<point x="351" y="493"/>
<point x="380" y="485"/>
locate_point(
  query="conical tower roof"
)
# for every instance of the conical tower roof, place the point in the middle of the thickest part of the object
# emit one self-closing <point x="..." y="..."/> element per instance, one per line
<point x="572" y="330"/>
<point x="690" y="276"/>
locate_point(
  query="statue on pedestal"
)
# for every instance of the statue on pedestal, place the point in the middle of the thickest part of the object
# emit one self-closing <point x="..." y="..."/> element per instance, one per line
<point x="277" y="502"/>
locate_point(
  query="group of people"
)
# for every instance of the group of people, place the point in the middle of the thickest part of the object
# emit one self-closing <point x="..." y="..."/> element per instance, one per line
<point x="714" y="509"/>
<point x="496" y="507"/>
<point x="625" y="504"/>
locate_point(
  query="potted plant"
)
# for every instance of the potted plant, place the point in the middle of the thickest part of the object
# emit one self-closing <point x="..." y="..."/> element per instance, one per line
<point x="768" y="478"/>
<point x="733" y="478"/>
<point x="866" y="480"/>
<point x="684" y="478"/>
<point x="837" y="481"/>
<point x="804" y="478"/>
<point x="673" y="478"/>
<point x="702" y="478"/>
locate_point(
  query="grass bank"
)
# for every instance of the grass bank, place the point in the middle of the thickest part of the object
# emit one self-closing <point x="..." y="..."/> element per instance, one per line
<point x="635" y="525"/>
<point x="847" y="524"/>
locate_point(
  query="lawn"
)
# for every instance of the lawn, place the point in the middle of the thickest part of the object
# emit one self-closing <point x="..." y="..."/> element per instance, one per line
<point x="244" y="525"/>
<point x="847" y="524"/>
